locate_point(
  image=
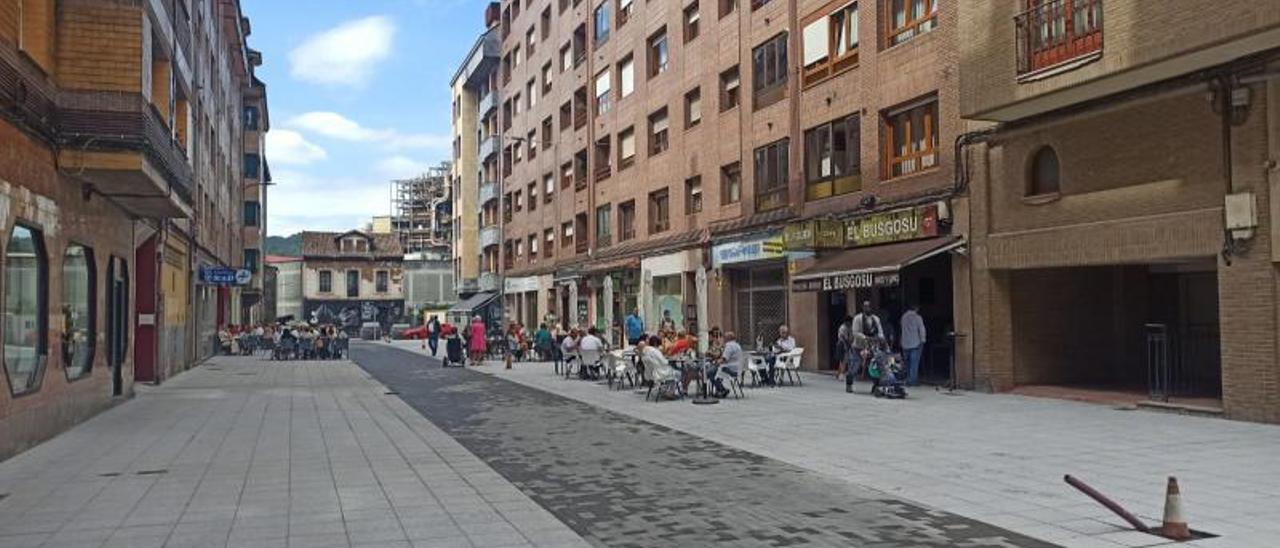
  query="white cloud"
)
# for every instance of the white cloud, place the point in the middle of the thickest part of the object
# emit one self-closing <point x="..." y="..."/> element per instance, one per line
<point x="285" y="146"/>
<point x="337" y="126"/>
<point x="345" y="55"/>
<point x="304" y="201"/>
<point x="400" y="167"/>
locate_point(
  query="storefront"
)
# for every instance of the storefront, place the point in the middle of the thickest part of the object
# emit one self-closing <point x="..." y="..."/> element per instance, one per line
<point x="670" y="287"/>
<point x="892" y="260"/>
<point x="522" y="300"/>
<point x="750" y="277"/>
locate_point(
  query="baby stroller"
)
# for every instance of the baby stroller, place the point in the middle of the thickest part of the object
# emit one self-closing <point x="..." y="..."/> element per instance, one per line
<point x="885" y="371"/>
<point x="454" y="351"/>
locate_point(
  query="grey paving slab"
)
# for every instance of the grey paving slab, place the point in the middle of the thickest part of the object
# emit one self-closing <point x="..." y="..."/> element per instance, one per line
<point x="619" y="481"/>
<point x="247" y="452"/>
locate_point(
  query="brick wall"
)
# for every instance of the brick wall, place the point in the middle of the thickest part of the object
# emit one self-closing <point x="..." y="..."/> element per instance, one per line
<point x="100" y="47"/>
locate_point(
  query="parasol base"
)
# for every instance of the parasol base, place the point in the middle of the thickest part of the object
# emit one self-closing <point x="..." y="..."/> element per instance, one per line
<point x="704" y="400"/>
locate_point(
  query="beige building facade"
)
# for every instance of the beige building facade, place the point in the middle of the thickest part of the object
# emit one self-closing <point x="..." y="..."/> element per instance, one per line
<point x="1123" y="204"/>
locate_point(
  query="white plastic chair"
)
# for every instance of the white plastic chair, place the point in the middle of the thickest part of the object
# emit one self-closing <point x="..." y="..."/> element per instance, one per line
<point x="755" y="364"/>
<point x="618" y="368"/>
<point x="731" y="381"/>
<point x="591" y="360"/>
<point x="789" y="364"/>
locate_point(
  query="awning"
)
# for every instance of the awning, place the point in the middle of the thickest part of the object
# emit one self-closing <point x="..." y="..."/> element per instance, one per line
<point x="875" y="266"/>
<point x="473" y="302"/>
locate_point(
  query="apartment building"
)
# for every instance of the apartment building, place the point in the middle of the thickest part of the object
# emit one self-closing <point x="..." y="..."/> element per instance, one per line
<point x="471" y="90"/>
<point x="1124" y="204"/>
<point x="122" y="155"/>
<point x="719" y="162"/>
<point x="257" y="178"/>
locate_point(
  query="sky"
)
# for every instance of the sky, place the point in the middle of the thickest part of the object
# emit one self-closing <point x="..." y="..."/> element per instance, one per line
<point x="358" y="95"/>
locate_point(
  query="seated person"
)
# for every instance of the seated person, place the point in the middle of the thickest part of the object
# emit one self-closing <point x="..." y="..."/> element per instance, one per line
<point x="656" y="366"/>
<point x="592" y="348"/>
<point x="731" y="360"/>
<point x="785" y="343"/>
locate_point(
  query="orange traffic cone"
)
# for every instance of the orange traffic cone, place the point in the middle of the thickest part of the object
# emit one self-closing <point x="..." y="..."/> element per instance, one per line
<point x="1175" y="523"/>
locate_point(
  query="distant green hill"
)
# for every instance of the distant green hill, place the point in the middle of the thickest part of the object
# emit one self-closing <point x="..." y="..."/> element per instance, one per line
<point x="285" y="246"/>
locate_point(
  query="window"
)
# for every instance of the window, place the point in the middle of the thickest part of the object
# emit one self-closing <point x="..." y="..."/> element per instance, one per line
<point x="533" y="247"/>
<point x="769" y="71"/>
<point x="251" y="259"/>
<point x="731" y="183"/>
<point x="626" y="148"/>
<point x="566" y="57"/>
<point x="546" y="78"/>
<point x="518" y="199"/>
<point x="691" y="17"/>
<point x="659" y="211"/>
<point x="515" y="57"/>
<point x="604" y="225"/>
<point x="693" y="108"/>
<point x="545" y="25"/>
<point x="26" y="304"/>
<point x="627" y="220"/>
<point x="548" y="188"/>
<point x="832" y="164"/>
<point x="326" y="281"/>
<point x="252" y="212"/>
<point x="580" y="170"/>
<point x="729" y="85"/>
<point x="601" y="18"/>
<point x="626" y="76"/>
<point x="566" y="234"/>
<point x="251" y="117"/>
<point x="757" y="4"/>
<point x="531" y="94"/>
<point x="546" y="133"/>
<point x="771" y="175"/>
<point x="519" y="249"/>
<point x="658" y="142"/>
<point x="693" y="195"/>
<point x="1051" y="32"/>
<point x="624" y="12"/>
<point x="1045" y="173"/>
<point x="252" y="165"/>
<point x="533" y="196"/>
<point x="532" y="140"/>
<point x="658" y="53"/>
<point x="530" y="41"/>
<point x="515" y="106"/>
<point x="381" y="280"/>
<point x="908" y="19"/>
<point x="566" y="115"/>
<point x="727" y="7"/>
<point x="604" y="158"/>
<point x="353" y="283"/>
<point x="911" y="139"/>
<point x="79" y="310"/>
<point x="566" y="175"/>
<point x="549" y="243"/>
<point x="604" y="81"/>
<point x="830" y="43"/>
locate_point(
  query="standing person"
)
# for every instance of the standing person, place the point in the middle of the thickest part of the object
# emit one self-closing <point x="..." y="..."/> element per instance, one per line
<point x="543" y="343"/>
<point x="433" y="334"/>
<point x="634" y="327"/>
<point x="913" y="338"/>
<point x="667" y="325"/>
<point x="844" y="345"/>
<point x="476" y="343"/>
<point x="866" y="331"/>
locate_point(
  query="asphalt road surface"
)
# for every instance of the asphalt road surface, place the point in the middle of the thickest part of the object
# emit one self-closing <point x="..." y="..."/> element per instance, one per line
<point x="622" y="482"/>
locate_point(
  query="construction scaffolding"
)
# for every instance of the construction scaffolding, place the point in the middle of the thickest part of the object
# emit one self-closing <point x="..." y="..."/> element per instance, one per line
<point x="422" y="213"/>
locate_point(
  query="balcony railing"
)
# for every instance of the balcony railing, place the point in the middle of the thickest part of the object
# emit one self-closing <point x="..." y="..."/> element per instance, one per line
<point x="1054" y="32"/>
<point x="488" y="147"/>
<point x="487" y="104"/>
<point x="580" y="245"/>
<point x="603" y="171"/>
<point x="488" y="281"/>
<point x="488" y="192"/>
<point x="126" y="122"/>
<point x="489" y="236"/>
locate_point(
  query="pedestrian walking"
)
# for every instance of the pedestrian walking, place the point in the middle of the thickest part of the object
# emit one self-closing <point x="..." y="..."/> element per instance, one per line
<point x="866" y="331"/>
<point x="914" y="336"/>
<point x="433" y="335"/>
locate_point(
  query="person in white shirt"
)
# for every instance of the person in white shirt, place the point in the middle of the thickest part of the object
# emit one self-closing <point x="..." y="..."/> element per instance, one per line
<point x="866" y="331"/>
<point x="731" y="360"/>
<point x="785" y="343"/>
<point x="656" y="367"/>
<point x="590" y="348"/>
<point x="914" y="336"/>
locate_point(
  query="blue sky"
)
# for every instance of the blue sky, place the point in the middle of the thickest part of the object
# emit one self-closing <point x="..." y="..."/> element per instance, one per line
<point x="358" y="92"/>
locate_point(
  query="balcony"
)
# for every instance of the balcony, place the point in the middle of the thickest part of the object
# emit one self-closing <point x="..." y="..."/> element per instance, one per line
<point x="488" y="147"/>
<point x="488" y="192"/>
<point x="489" y="236"/>
<point x="488" y="281"/>
<point x="487" y="104"/>
<point x="484" y="55"/>
<point x="1057" y="32"/>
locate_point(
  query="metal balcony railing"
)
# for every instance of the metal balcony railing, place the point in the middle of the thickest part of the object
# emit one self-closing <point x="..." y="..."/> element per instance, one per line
<point x="488" y="192"/>
<point x="1057" y="31"/>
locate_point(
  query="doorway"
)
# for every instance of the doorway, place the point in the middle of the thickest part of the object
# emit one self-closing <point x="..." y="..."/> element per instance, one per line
<point x="118" y="324"/>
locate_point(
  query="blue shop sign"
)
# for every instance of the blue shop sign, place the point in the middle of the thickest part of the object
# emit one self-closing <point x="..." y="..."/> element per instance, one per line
<point x="220" y="275"/>
<point x="767" y="246"/>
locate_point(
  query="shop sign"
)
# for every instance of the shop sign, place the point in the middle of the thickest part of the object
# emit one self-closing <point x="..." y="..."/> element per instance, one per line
<point x="220" y="275"/>
<point x="893" y="226"/>
<point x="754" y="249"/>
<point x="814" y="234"/>
<point x="851" y="280"/>
<point x="520" y="285"/>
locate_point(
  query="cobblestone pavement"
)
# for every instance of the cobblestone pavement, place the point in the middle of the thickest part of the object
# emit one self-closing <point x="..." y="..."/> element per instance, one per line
<point x="622" y="482"/>
<point x="996" y="458"/>
<point x="246" y="452"/>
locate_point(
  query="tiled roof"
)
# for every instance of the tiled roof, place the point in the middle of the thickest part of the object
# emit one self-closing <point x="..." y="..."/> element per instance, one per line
<point x="750" y="222"/>
<point x="325" y="244"/>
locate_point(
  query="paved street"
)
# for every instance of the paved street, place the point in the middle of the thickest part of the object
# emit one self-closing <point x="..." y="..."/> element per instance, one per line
<point x="622" y="482"/>
<point x="247" y="452"/>
<point x="997" y="458"/>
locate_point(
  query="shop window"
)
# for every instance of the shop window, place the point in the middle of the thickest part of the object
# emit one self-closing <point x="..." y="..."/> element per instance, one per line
<point x="1045" y="173"/>
<point x="831" y="159"/>
<point x="910" y="139"/>
<point x="769" y="72"/>
<point x="326" y="281"/>
<point x="79" y="310"/>
<point x="26" y="304"/>
<point x="382" y="281"/>
<point x="908" y="19"/>
<point x="771" y="175"/>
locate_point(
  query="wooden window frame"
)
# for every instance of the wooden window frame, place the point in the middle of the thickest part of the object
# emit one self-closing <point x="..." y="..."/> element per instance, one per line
<point x="909" y="25"/>
<point x="831" y="65"/>
<point x="890" y="159"/>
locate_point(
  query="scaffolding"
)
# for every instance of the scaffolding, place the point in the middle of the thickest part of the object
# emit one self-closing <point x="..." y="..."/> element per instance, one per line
<point x="422" y="213"/>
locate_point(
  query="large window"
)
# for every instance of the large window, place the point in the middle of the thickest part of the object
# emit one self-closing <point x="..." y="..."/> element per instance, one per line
<point x="659" y="211"/>
<point x="353" y="283"/>
<point x="25" y="309"/>
<point x="911" y="138"/>
<point x="769" y="71"/>
<point x="382" y="281"/>
<point x="601" y="18"/>
<point x="659" y="55"/>
<point x="908" y="19"/>
<point x="771" y="175"/>
<point x="658" y="132"/>
<point x="79" y="310"/>
<point x="831" y="161"/>
<point x="326" y="281"/>
<point x="830" y="43"/>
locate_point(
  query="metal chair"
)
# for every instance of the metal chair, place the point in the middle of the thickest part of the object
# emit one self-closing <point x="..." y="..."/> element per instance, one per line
<point x="731" y="381"/>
